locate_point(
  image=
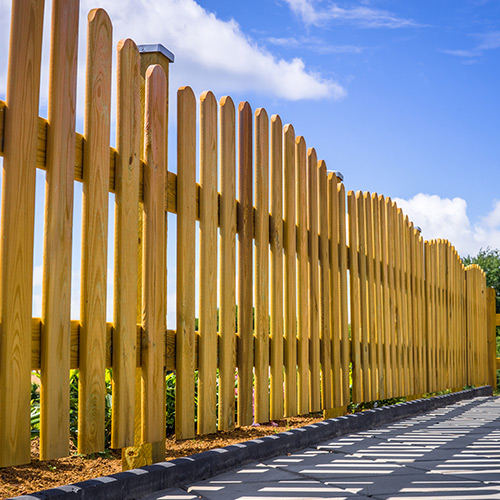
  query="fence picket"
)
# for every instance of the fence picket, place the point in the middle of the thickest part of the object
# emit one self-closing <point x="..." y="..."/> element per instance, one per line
<point x="371" y="337"/>
<point x="357" y="383"/>
<point x="261" y="266"/>
<point x="186" y="256"/>
<point x="227" y="272"/>
<point x="302" y="278"/>
<point x="56" y="306"/>
<point x="364" y="297"/>
<point x="377" y="234"/>
<point x="386" y="313"/>
<point x="207" y="355"/>
<point x="126" y="248"/>
<point x="344" y="325"/>
<point x="312" y="224"/>
<point x="324" y="291"/>
<point x="335" y="298"/>
<point x="94" y="234"/>
<point x="276" y="236"/>
<point x="245" y="285"/>
<point x="290" y="247"/>
<point x="17" y="224"/>
<point x="154" y="258"/>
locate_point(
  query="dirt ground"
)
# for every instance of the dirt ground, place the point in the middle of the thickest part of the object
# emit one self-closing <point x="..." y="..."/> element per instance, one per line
<point x="39" y="475"/>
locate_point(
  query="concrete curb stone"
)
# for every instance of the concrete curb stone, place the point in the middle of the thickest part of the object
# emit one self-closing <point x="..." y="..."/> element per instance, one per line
<point x="144" y="481"/>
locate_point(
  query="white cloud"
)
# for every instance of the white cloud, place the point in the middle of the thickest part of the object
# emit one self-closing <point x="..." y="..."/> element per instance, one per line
<point x="215" y="54"/>
<point x="364" y="17"/>
<point x="448" y="219"/>
<point x="210" y="53"/>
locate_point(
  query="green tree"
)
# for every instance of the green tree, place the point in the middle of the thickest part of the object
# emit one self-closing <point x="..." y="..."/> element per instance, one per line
<point x="489" y="261"/>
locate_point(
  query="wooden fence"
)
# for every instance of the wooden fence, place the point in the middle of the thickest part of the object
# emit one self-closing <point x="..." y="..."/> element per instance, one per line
<point x="418" y="318"/>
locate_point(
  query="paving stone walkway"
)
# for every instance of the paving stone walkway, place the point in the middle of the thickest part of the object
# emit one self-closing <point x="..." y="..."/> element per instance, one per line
<point x="449" y="453"/>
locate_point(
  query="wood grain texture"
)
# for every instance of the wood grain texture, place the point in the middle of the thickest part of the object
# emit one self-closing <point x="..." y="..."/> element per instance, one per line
<point x="207" y="372"/>
<point x="17" y="227"/>
<point x="276" y="237"/>
<point x="290" y="247"/>
<point x="245" y="285"/>
<point x="94" y="234"/>
<point x="313" y="228"/>
<point x="364" y="297"/>
<point x="357" y="383"/>
<point x="386" y="305"/>
<point x="408" y="302"/>
<point x="154" y="258"/>
<point x="371" y="337"/>
<point x="379" y="344"/>
<point x="335" y="291"/>
<point x="227" y="272"/>
<point x="302" y="277"/>
<point x="324" y="291"/>
<point x="344" y="320"/>
<point x="261" y="268"/>
<point x="56" y="301"/>
<point x="128" y="135"/>
<point x="186" y="258"/>
<point x="393" y="270"/>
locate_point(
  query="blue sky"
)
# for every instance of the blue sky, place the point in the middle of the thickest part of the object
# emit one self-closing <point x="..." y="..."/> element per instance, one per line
<point x="400" y="96"/>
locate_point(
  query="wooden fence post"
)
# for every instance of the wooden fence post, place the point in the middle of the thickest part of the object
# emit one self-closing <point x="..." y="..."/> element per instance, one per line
<point x="146" y="453"/>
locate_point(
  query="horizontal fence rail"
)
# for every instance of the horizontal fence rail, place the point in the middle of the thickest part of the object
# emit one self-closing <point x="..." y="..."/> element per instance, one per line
<point x="310" y="298"/>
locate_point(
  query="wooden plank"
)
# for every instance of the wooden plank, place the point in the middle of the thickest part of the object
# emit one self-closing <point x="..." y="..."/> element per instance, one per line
<point x="245" y="288"/>
<point x="17" y="226"/>
<point x="325" y="332"/>
<point x="434" y="302"/>
<point x="371" y="331"/>
<point x="428" y="315"/>
<point x="56" y="303"/>
<point x="422" y="368"/>
<point x="335" y="300"/>
<point x="302" y="278"/>
<point x="357" y="383"/>
<point x="290" y="247"/>
<point x="483" y="325"/>
<point x="344" y="325"/>
<point x="276" y="237"/>
<point x="207" y="371"/>
<point x="261" y="266"/>
<point x="186" y="257"/>
<point x="410" y="326"/>
<point x="386" y="304"/>
<point x="312" y="224"/>
<point x="440" y="315"/>
<point x="126" y="249"/>
<point x="396" y="249"/>
<point x="364" y="304"/>
<point x="379" y="341"/>
<point x="227" y="272"/>
<point x="94" y="234"/>
<point x="405" y="283"/>
<point x="154" y="258"/>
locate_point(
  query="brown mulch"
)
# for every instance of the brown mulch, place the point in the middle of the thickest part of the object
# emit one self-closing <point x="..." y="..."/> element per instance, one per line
<point x="41" y="475"/>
